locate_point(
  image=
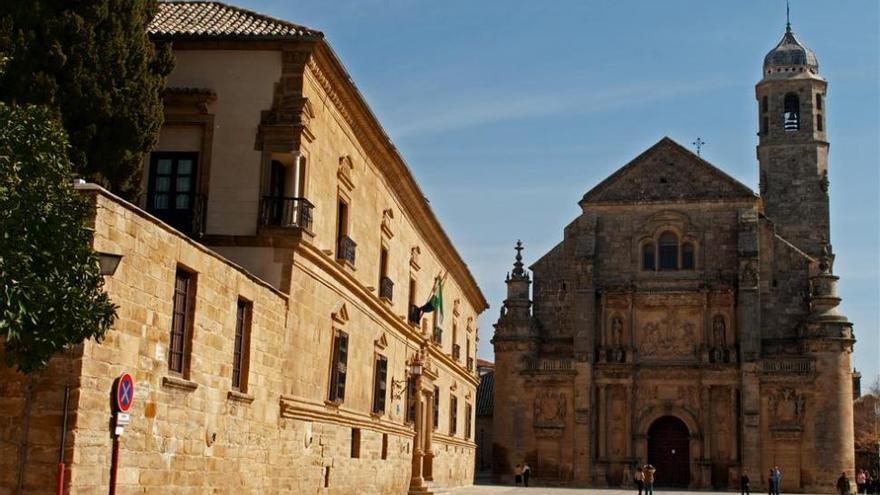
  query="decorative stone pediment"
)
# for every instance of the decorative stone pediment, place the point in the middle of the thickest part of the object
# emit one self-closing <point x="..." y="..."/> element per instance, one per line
<point x="345" y="172"/>
<point x="415" y="251"/>
<point x="340" y="313"/>
<point x="550" y="409"/>
<point x="667" y="172"/>
<point x="456" y="307"/>
<point x="387" y="219"/>
<point x="381" y="341"/>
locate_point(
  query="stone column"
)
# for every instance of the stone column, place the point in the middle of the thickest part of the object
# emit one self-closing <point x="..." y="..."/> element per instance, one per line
<point x="416" y="481"/>
<point x="428" y="450"/>
<point x="602" y="421"/>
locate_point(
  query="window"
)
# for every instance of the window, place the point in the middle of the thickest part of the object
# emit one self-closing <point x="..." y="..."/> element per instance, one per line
<point x="355" y="443"/>
<point x="338" y="369"/>
<point x="791" y="112"/>
<point x="384" y="446"/>
<point x="241" y="346"/>
<point x="345" y="247"/>
<point x="818" y="101"/>
<point x="467" y="421"/>
<point x="410" y="399"/>
<point x="456" y="349"/>
<point x="413" y="309"/>
<point x="819" y="124"/>
<point x="687" y="256"/>
<point x="171" y="192"/>
<point x="648" y="257"/>
<point x="453" y="415"/>
<point x="386" y="286"/>
<point x="379" y="385"/>
<point x="436" y="408"/>
<point x="181" y="322"/>
<point x="765" y="125"/>
<point x="668" y="251"/>
<point x="470" y="358"/>
<point x="765" y="104"/>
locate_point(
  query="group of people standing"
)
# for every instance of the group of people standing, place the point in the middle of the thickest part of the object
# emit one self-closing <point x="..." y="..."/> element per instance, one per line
<point x="644" y="478"/>
<point x="867" y="483"/>
<point x="521" y="474"/>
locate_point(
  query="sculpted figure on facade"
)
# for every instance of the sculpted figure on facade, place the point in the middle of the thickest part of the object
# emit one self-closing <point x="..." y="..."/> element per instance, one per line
<point x="668" y="338"/>
<point x="550" y="409"/>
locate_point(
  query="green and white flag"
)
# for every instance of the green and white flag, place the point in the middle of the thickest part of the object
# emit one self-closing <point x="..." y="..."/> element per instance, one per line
<point x="435" y="303"/>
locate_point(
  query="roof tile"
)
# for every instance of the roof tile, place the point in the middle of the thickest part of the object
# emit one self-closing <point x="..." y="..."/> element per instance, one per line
<point x="216" y="20"/>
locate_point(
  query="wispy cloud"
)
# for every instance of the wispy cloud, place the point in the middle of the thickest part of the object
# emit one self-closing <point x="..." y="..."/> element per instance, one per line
<point x="453" y="114"/>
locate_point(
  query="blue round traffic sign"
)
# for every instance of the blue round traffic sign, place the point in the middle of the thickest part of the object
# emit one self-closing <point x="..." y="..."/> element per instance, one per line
<point x="124" y="392"/>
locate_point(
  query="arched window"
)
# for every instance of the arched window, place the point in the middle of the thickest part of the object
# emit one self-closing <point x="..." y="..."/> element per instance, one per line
<point x="765" y="104"/>
<point x="668" y="251"/>
<point x="791" y="119"/>
<point x="687" y="256"/>
<point x="648" y="257"/>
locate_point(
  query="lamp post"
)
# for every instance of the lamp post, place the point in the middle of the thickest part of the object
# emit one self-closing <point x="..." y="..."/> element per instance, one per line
<point x="108" y="262"/>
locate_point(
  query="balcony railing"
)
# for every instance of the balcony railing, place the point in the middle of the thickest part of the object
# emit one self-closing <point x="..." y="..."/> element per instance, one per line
<point x="456" y="352"/>
<point x="345" y="249"/>
<point x="386" y="289"/>
<point x="286" y="212"/>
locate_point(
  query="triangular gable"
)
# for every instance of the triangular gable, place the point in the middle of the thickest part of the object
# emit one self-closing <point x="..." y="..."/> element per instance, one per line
<point x="667" y="171"/>
<point x="340" y="313"/>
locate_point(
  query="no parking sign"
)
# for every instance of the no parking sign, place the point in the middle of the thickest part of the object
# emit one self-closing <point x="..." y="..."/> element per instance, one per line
<point x="124" y="393"/>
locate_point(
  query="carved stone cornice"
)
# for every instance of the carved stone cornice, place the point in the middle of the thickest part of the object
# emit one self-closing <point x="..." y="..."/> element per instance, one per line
<point x="329" y="72"/>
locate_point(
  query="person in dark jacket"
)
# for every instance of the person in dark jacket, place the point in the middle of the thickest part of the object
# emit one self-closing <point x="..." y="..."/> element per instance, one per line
<point x="843" y="486"/>
<point x="744" y="483"/>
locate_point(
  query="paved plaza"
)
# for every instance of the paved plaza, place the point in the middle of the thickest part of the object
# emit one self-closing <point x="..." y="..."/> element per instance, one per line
<point x="539" y="490"/>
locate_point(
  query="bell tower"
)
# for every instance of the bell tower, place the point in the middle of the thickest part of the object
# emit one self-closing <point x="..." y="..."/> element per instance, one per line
<point x="793" y="145"/>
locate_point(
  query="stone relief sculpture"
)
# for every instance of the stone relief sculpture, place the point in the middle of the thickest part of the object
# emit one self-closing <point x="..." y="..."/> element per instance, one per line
<point x="749" y="275"/>
<point x="616" y="331"/>
<point x="550" y="409"/>
<point x="786" y="409"/>
<point x="668" y="338"/>
<point x="718" y="331"/>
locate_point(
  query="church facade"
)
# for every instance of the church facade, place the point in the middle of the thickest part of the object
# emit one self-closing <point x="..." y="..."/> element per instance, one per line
<point x="687" y="321"/>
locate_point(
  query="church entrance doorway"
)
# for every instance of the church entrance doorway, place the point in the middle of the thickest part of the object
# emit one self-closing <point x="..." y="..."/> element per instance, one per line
<point x="669" y="451"/>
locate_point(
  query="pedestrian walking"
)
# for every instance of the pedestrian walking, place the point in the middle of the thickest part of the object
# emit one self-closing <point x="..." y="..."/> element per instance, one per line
<point x="517" y="474"/>
<point x="649" y="472"/>
<point x="843" y="486"/>
<point x="771" y="490"/>
<point x="526" y="473"/>
<point x="744" y="483"/>
<point x="639" y="479"/>
<point x="861" y="481"/>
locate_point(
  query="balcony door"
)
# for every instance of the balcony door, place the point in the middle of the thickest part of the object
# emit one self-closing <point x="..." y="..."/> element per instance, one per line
<point x="172" y="189"/>
<point x="277" y="181"/>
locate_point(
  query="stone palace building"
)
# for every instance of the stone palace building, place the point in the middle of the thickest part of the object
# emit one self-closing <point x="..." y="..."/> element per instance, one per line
<point x="686" y="321"/>
<point x="266" y="294"/>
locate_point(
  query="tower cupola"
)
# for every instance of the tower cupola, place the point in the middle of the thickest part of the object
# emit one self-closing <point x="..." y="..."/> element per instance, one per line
<point x="790" y="58"/>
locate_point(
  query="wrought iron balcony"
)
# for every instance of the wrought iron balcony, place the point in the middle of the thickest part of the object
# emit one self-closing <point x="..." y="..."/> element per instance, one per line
<point x="280" y="211"/>
<point x="386" y="289"/>
<point x="456" y="352"/>
<point x="345" y="249"/>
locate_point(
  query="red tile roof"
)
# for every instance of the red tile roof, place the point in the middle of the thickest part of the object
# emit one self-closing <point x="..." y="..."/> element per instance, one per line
<point x="216" y="20"/>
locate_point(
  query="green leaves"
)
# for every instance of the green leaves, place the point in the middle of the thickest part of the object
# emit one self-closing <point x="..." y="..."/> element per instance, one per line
<point x="50" y="283"/>
<point x="92" y="63"/>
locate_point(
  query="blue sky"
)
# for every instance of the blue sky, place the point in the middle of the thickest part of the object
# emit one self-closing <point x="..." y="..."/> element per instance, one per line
<point x="508" y="111"/>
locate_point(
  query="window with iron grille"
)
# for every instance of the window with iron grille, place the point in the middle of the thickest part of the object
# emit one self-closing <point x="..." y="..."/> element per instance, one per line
<point x="338" y="369"/>
<point x="467" y="421"/>
<point x="410" y="399"/>
<point x="241" y="346"/>
<point x="181" y="322"/>
<point x="453" y="415"/>
<point x="436" y="407"/>
<point x="379" y="385"/>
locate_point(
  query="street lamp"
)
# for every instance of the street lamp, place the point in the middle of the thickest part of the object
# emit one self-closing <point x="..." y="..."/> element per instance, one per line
<point x="108" y="262"/>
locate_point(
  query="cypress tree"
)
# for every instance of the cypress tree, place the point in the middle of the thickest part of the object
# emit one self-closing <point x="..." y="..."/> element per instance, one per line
<point x="93" y="64"/>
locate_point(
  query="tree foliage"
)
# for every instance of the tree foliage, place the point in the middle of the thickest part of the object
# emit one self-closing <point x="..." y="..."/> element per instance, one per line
<point x="93" y="64"/>
<point x="866" y="418"/>
<point x="52" y="290"/>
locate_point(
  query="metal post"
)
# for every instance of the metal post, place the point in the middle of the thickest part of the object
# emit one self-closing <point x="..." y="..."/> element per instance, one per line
<point x="114" y="464"/>
<point x="59" y="488"/>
